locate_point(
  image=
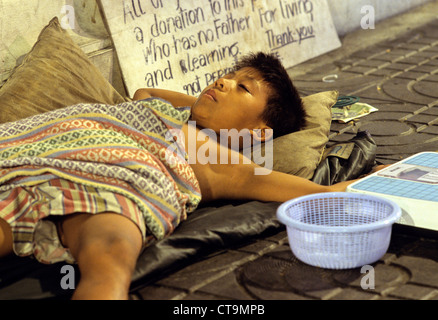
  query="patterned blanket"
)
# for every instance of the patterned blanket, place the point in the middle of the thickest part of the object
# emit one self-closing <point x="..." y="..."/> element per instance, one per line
<point x="126" y="149"/>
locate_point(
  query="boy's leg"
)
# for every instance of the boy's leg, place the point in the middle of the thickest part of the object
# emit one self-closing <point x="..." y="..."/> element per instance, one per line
<point x="106" y="247"/>
<point x="5" y="238"/>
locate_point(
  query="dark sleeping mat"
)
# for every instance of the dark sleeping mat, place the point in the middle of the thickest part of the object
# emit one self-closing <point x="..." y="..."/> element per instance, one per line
<point x="207" y="230"/>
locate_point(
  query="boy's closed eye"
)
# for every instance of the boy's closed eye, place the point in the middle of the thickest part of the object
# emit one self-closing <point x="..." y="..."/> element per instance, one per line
<point x="244" y="88"/>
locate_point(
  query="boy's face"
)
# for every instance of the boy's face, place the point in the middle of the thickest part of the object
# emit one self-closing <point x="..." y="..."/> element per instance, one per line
<point x="235" y="101"/>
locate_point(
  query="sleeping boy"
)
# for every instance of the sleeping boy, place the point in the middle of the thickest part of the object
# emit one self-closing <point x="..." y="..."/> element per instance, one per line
<point x="90" y="184"/>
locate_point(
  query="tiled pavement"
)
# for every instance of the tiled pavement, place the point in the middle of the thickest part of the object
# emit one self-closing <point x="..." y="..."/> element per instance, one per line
<point x="400" y="78"/>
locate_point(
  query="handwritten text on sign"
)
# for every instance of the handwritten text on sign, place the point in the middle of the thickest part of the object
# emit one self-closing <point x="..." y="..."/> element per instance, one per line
<point x="187" y="45"/>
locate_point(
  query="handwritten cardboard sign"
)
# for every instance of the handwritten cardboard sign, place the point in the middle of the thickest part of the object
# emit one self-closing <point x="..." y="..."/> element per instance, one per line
<point x="187" y="45"/>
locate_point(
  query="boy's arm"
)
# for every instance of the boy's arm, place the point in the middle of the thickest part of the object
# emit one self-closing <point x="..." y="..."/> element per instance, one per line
<point x="239" y="181"/>
<point x="177" y="99"/>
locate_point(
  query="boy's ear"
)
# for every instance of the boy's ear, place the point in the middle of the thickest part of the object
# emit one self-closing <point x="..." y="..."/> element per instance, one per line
<point x="262" y="135"/>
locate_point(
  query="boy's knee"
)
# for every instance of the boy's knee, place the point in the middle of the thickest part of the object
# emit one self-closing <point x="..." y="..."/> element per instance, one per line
<point x="106" y="266"/>
<point x="111" y="247"/>
<point x="108" y="238"/>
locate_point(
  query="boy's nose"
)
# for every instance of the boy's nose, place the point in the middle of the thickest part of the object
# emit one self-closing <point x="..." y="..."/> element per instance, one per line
<point x="223" y="84"/>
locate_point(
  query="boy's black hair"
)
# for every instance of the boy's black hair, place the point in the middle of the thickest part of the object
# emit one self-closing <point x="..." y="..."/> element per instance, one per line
<point x="284" y="111"/>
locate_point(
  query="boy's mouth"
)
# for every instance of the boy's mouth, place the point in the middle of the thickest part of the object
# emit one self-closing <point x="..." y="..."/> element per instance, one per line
<point x="211" y="94"/>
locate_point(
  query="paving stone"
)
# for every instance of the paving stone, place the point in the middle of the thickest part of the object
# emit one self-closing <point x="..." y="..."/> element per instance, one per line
<point x="414" y="292"/>
<point x="282" y="252"/>
<point x="426" y="88"/>
<point x="385" y="72"/>
<point x="336" y="137"/>
<point x="389" y="57"/>
<point x="427" y="54"/>
<point x="258" y="247"/>
<point x="399" y="66"/>
<point x="435" y="64"/>
<point x="385" y="158"/>
<point x="354" y="294"/>
<point x="286" y="278"/>
<point x="414" y="60"/>
<point x="413" y="46"/>
<point x="432" y="130"/>
<point x="386" y="128"/>
<point x="432" y="296"/>
<point x="199" y="274"/>
<point x="407" y="141"/>
<point x="203" y="297"/>
<point x="370" y="52"/>
<point x="432" y="111"/>
<point x="228" y="286"/>
<point x="155" y="292"/>
<point x="326" y="69"/>
<point x="405" y="150"/>
<point x="347" y="83"/>
<point x="423" y="271"/>
<point x="400" y="108"/>
<point x="433" y="48"/>
<point x="397" y="89"/>
<point x="425" y="69"/>
<point x="410" y="75"/>
<point x="358" y="69"/>
<point x="378" y="279"/>
<point x="371" y="63"/>
<point x="426" y="40"/>
<point x="402" y="52"/>
<point x="279" y="238"/>
<point x="430" y="30"/>
<point x="269" y="294"/>
<point x="422" y="118"/>
<point x="384" y="114"/>
<point x="432" y="78"/>
<point x="342" y="64"/>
